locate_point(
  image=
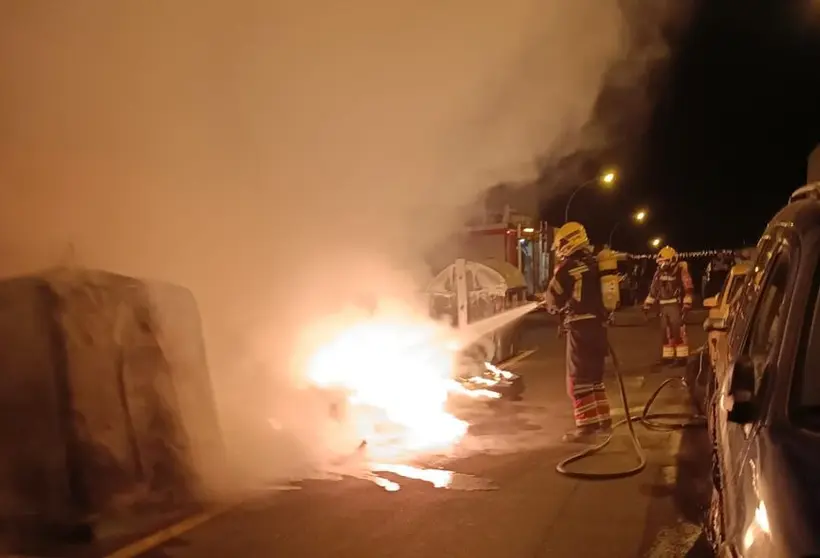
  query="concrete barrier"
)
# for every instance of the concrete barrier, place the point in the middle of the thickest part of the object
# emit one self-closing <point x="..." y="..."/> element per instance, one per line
<point x="105" y="398"/>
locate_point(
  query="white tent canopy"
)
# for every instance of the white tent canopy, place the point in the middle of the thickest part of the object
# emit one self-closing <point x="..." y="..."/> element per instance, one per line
<point x="489" y="276"/>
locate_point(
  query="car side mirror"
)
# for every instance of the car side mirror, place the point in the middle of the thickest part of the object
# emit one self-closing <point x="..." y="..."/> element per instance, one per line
<point x="710" y="302"/>
<point x="740" y="401"/>
<point x="714" y="324"/>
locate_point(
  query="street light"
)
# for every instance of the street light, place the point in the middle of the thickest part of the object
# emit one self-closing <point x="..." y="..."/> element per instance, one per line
<point x="656" y="242"/>
<point x="606" y="179"/>
<point x="638" y="216"/>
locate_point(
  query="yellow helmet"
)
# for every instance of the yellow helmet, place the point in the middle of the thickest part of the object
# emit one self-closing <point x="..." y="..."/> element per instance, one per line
<point x="666" y="257"/>
<point x="570" y="238"/>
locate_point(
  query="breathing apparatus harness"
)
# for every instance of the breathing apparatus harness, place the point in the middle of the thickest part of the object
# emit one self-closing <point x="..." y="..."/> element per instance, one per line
<point x="647" y="419"/>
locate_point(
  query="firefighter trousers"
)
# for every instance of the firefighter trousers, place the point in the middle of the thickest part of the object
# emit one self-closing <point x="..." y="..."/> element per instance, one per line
<point x="673" y="329"/>
<point x="587" y="347"/>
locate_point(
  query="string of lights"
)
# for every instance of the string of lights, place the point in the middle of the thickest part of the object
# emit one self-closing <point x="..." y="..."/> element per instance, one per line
<point x="687" y="255"/>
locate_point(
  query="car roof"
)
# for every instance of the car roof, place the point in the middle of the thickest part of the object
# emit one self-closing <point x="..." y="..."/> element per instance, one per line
<point x="803" y="210"/>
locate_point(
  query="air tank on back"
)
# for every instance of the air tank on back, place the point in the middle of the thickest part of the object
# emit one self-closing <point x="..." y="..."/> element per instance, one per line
<point x="610" y="283"/>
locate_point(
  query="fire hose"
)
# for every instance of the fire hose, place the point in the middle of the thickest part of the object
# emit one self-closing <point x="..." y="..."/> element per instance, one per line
<point x="647" y="419"/>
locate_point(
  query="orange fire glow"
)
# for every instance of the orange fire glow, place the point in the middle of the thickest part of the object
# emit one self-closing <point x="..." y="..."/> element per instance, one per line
<point x="396" y="369"/>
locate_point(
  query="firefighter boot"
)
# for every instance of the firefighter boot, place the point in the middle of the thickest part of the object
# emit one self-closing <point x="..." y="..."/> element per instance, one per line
<point x="668" y="354"/>
<point x="681" y="354"/>
<point x="605" y="427"/>
<point x="582" y="435"/>
<point x="602" y="406"/>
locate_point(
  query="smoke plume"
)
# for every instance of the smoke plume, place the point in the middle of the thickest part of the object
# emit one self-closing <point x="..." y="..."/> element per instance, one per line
<point x="278" y="158"/>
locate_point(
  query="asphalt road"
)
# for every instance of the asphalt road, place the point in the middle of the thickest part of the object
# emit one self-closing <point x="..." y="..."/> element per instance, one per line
<point x="508" y="500"/>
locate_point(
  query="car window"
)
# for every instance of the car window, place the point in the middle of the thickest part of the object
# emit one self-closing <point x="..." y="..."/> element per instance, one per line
<point x="729" y="289"/>
<point x="734" y="288"/>
<point x="761" y="343"/>
<point x="723" y="295"/>
<point x="747" y="302"/>
<point x="765" y="251"/>
<point x="805" y="399"/>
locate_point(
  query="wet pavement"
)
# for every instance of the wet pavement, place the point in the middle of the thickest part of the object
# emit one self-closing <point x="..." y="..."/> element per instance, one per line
<point x="499" y="495"/>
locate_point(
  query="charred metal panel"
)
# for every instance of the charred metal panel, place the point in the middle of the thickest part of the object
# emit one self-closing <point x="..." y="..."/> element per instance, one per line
<point x="106" y="399"/>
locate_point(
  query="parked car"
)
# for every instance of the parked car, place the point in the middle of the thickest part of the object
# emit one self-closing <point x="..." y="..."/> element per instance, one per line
<point x="717" y="321"/>
<point x="765" y="412"/>
<point x="701" y="367"/>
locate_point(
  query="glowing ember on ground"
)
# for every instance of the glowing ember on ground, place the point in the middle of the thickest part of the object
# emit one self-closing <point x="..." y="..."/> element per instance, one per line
<point x="396" y="370"/>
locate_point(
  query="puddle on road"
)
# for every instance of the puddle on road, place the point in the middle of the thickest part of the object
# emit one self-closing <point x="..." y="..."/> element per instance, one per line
<point x="439" y="478"/>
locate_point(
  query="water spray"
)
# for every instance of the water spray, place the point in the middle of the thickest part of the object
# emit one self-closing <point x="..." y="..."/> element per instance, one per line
<point x="472" y="332"/>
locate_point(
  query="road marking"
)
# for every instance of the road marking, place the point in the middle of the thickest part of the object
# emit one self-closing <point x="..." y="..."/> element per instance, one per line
<point x="162" y="536"/>
<point x="510" y="362"/>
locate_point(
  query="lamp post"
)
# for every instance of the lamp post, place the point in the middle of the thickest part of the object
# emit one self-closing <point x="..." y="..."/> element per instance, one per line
<point x="638" y="217"/>
<point x="605" y="179"/>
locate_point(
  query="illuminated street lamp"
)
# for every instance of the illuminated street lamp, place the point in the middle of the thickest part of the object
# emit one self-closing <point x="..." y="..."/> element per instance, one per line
<point x="656" y="242"/>
<point x="606" y="179"/>
<point x="638" y="217"/>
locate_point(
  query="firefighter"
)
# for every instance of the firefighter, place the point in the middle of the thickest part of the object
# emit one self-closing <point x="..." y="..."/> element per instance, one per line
<point x="672" y="289"/>
<point x="575" y="292"/>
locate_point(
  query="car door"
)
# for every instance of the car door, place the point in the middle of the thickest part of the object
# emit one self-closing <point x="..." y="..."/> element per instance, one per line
<point x="761" y="343"/>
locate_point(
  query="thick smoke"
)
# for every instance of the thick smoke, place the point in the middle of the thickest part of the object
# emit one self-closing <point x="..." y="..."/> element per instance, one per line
<point x="278" y="158"/>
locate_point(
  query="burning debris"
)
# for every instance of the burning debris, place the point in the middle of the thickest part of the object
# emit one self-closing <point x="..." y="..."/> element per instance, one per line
<point x="393" y="373"/>
<point x="493" y="383"/>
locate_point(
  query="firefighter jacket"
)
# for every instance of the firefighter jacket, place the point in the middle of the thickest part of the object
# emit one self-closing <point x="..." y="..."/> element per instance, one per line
<point x="575" y="289"/>
<point x="671" y="286"/>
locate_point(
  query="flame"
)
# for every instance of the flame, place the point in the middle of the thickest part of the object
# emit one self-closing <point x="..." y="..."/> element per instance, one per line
<point x="396" y="370"/>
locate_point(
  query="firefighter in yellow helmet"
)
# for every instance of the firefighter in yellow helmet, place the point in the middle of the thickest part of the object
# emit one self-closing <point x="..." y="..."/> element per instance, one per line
<point x="575" y="293"/>
<point x="671" y="289"/>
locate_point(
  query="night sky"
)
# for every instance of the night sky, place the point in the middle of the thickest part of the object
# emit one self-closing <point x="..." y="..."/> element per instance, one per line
<point x="736" y="111"/>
